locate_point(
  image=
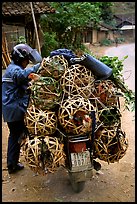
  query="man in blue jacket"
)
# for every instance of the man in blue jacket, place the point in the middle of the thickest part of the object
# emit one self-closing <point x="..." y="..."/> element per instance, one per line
<point x="15" y="99"/>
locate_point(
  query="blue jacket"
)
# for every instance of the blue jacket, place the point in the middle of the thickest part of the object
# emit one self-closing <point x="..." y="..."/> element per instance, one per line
<point x="15" y="95"/>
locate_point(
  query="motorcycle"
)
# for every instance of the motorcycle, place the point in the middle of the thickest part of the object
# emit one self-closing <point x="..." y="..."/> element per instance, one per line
<point x="79" y="149"/>
<point x="79" y="161"/>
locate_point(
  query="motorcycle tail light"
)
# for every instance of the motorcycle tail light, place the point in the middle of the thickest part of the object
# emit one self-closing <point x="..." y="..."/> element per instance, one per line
<point x="77" y="147"/>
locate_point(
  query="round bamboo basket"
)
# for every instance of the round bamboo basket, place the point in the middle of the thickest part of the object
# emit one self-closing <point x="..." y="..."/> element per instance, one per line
<point x="45" y="93"/>
<point x="109" y="115"/>
<point x="56" y="149"/>
<point x="110" y="144"/>
<point x="40" y="122"/>
<point x="53" y="66"/>
<point x="105" y="91"/>
<point x="43" y="155"/>
<point x="72" y="113"/>
<point x="77" y="80"/>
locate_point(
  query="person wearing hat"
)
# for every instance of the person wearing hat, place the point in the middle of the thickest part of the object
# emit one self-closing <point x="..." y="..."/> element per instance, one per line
<point x="15" y="99"/>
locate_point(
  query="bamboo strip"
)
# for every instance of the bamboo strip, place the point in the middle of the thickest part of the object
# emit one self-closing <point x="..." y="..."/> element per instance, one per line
<point x="33" y="152"/>
<point x="110" y="143"/>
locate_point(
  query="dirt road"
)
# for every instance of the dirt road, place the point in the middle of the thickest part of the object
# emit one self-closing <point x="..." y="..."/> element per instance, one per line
<point x="114" y="183"/>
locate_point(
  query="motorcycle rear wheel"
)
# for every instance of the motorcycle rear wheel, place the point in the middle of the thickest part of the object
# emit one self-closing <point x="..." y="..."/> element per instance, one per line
<point x="78" y="186"/>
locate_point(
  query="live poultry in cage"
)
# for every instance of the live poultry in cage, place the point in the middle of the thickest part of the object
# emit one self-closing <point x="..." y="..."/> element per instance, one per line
<point x="74" y="115"/>
<point x="106" y="93"/>
<point x="53" y="66"/>
<point x="45" y="93"/>
<point x="43" y="154"/>
<point x="110" y="143"/>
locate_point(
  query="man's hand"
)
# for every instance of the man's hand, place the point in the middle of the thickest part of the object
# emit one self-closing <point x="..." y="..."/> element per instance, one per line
<point x="33" y="76"/>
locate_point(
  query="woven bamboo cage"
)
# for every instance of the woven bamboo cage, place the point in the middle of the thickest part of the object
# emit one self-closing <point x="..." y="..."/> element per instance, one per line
<point x="40" y="122"/>
<point x="77" y="80"/>
<point x="57" y="150"/>
<point x="105" y="91"/>
<point x="44" y="155"/>
<point x="72" y="114"/>
<point x="109" y="115"/>
<point x="53" y="66"/>
<point x="110" y="143"/>
<point x="45" y="93"/>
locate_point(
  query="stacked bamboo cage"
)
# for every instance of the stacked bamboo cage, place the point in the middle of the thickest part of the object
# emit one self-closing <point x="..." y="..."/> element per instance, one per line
<point x="111" y="142"/>
<point x="63" y="98"/>
<point x="71" y="108"/>
<point x="77" y="80"/>
<point x="43" y="154"/>
<point x="43" y="151"/>
<point x="53" y="66"/>
<point x="45" y="93"/>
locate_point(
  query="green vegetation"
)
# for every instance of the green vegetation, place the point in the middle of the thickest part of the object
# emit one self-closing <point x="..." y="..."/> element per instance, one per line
<point x="50" y="43"/>
<point x="117" y="66"/>
<point x="107" y="42"/>
<point x="22" y="39"/>
<point x="66" y="26"/>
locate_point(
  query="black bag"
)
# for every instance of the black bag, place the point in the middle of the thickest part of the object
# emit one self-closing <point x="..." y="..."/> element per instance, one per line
<point x="98" y="68"/>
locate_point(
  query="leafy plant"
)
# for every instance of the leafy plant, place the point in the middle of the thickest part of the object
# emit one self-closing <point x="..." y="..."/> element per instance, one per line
<point x="106" y="42"/>
<point x="120" y="40"/>
<point x="117" y="66"/>
<point x="129" y="100"/>
<point x="22" y="39"/>
<point x="115" y="63"/>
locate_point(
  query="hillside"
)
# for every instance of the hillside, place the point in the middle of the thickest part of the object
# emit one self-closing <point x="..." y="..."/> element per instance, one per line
<point x="123" y="7"/>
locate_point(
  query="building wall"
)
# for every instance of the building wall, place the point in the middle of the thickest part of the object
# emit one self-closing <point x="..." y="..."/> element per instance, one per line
<point x="12" y="34"/>
<point x="94" y="36"/>
<point x="10" y="37"/>
<point x="111" y="35"/>
<point x="101" y="35"/>
<point x="128" y="34"/>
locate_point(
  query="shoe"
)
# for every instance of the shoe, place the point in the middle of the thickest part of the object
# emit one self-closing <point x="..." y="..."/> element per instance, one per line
<point x="97" y="165"/>
<point x="16" y="168"/>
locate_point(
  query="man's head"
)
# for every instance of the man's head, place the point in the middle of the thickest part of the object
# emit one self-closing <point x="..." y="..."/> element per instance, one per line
<point x="23" y="53"/>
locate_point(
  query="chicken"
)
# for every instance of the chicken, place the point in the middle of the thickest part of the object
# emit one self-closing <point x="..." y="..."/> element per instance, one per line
<point x="81" y="118"/>
<point x="33" y="76"/>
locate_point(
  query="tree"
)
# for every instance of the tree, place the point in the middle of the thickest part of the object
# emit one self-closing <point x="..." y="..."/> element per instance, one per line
<point x="107" y="13"/>
<point x="70" y="20"/>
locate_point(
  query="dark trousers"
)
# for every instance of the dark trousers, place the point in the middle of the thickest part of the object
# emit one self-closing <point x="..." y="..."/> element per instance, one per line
<point x="16" y="129"/>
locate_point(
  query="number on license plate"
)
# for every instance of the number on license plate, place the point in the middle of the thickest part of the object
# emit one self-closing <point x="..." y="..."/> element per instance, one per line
<point x="80" y="159"/>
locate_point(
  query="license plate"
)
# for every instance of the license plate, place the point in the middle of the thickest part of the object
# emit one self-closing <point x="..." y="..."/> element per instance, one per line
<point x="80" y="159"/>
